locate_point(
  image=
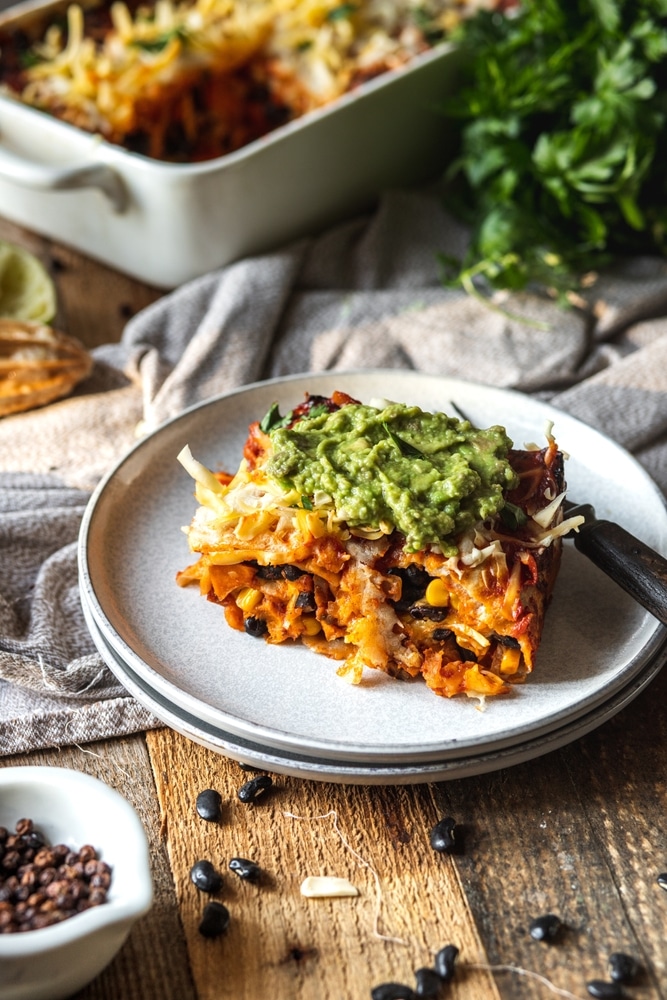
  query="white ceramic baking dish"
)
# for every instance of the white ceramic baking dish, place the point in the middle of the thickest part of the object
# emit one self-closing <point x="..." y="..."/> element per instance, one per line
<point x="165" y="223"/>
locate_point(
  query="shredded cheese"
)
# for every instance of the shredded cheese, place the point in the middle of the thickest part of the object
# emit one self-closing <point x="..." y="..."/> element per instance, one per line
<point x="135" y="80"/>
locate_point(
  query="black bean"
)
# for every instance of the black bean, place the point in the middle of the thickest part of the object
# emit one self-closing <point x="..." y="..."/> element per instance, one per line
<point x="426" y="611"/>
<point x="214" y="921"/>
<point x="292" y="572"/>
<point x="467" y="655"/>
<point x="662" y="880"/>
<point x="255" y="626"/>
<point x="440" y="634"/>
<point x="209" y="805"/>
<point x="546" y="927"/>
<point x="254" y="787"/>
<point x="623" y="968"/>
<point x="445" y="962"/>
<point x="429" y="984"/>
<point x="269" y="572"/>
<point x="245" y="869"/>
<point x="506" y="640"/>
<point x="392" y="991"/>
<point x="443" y="837"/>
<point x="306" y="601"/>
<point x="603" y="990"/>
<point x="205" y="877"/>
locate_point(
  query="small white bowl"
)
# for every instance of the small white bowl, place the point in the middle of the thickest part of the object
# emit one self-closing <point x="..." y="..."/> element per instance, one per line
<point x="69" y="807"/>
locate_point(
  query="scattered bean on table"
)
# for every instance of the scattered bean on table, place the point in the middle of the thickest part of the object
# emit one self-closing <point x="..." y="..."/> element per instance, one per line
<point x="445" y="962"/>
<point x="546" y="928"/>
<point x="393" y="991"/>
<point x="204" y="875"/>
<point x="245" y="869"/>
<point x="603" y="990"/>
<point x="255" y="787"/>
<point x="214" y="921"/>
<point x="443" y="835"/>
<point x="429" y="984"/>
<point x="209" y="805"/>
<point x="623" y="968"/>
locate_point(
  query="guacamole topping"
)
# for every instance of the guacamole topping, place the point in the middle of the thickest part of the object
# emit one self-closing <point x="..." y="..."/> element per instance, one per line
<point x="428" y="475"/>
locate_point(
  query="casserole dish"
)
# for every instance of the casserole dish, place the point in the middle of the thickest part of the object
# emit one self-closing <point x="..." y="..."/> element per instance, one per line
<point x="166" y="223"/>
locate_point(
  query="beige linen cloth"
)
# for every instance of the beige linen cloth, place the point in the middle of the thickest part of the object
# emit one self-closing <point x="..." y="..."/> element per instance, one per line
<point x="366" y="294"/>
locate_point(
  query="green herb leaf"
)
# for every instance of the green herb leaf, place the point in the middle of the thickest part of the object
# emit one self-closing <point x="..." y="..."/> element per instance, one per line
<point x="404" y="447"/>
<point x="563" y="122"/>
<point x="341" y="13"/>
<point x="512" y="516"/>
<point x="271" y="419"/>
<point x="306" y="503"/>
<point x="158" y="43"/>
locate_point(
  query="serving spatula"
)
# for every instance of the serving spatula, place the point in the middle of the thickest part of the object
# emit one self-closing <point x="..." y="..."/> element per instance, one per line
<point x="638" y="569"/>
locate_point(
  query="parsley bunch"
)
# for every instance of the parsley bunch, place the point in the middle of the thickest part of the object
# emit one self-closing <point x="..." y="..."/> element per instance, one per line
<point x="562" y="165"/>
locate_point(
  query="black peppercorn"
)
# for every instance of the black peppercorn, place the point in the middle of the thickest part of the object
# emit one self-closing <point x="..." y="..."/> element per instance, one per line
<point x="214" y="921"/>
<point x="209" y="805"/>
<point x="205" y="877"/>
<point x="256" y="786"/>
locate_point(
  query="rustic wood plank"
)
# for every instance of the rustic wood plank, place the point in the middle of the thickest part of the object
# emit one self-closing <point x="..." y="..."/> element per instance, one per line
<point x="279" y="943"/>
<point x="153" y="962"/>
<point x="579" y="833"/>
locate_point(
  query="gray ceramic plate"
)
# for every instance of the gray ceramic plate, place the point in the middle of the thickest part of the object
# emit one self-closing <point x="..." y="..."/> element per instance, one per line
<point x="353" y="772"/>
<point x="286" y="698"/>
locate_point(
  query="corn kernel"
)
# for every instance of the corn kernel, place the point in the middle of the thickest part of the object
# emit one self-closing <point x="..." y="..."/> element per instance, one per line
<point x="436" y="594"/>
<point x="511" y="661"/>
<point x="311" y="626"/>
<point x="248" y="598"/>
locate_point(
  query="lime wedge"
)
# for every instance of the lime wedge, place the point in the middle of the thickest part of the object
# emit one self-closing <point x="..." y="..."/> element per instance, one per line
<point x="26" y="290"/>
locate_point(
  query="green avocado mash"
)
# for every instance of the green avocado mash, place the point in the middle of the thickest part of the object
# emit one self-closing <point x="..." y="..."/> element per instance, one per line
<point x="428" y="475"/>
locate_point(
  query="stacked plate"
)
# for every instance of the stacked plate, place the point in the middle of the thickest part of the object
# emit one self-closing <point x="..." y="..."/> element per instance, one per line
<point x="282" y="708"/>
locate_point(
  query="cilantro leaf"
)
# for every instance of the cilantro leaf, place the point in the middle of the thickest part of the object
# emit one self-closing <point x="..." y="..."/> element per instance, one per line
<point x="403" y="446"/>
<point x="562" y="115"/>
<point x="512" y="516"/>
<point x="271" y="419"/>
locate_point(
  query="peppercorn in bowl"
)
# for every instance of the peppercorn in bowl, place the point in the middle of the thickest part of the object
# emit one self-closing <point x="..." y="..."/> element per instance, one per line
<point x="74" y="878"/>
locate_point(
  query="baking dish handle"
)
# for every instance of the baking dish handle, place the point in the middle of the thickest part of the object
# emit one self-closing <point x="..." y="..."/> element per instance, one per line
<point x="41" y="177"/>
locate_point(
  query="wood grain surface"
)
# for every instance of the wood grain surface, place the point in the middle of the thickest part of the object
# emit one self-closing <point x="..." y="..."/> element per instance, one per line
<point x="580" y="833"/>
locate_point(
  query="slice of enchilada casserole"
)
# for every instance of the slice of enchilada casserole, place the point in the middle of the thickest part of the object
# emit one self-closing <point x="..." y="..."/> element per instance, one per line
<point x="388" y="537"/>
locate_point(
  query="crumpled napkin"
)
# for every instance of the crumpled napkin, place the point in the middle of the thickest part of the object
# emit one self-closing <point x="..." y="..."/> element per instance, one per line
<point x="366" y="294"/>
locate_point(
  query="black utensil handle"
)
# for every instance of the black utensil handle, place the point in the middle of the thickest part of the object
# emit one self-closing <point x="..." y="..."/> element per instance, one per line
<point x="635" y="567"/>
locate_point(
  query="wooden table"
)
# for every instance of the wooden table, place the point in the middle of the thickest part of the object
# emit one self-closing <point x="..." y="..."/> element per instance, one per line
<point x="581" y="833"/>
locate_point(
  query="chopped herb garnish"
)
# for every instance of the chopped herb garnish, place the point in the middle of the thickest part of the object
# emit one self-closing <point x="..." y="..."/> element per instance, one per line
<point x="340" y="13"/>
<point x="158" y="43"/>
<point x="403" y="446"/>
<point x="306" y="503"/>
<point x="271" y="419"/>
<point x="512" y="516"/>
<point x="28" y="59"/>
